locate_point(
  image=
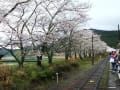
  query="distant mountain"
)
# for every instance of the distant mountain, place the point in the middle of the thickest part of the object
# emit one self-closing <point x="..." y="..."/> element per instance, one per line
<point x="110" y="37"/>
<point x="4" y="52"/>
<point x="7" y="53"/>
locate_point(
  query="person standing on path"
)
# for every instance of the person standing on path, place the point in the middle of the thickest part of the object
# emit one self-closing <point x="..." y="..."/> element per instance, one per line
<point x="113" y="60"/>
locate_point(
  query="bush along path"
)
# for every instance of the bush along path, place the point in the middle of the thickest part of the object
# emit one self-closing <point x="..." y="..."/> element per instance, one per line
<point x="63" y="69"/>
<point x="69" y="79"/>
<point x="32" y="77"/>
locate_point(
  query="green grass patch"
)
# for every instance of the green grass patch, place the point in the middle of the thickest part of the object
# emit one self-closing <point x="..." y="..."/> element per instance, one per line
<point x="104" y="81"/>
<point x="32" y="77"/>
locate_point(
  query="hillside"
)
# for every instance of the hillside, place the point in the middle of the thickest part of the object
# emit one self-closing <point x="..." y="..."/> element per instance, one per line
<point x="3" y="51"/>
<point x="110" y="37"/>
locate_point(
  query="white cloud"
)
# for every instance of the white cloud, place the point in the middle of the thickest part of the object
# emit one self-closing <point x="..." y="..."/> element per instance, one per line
<point x="104" y="14"/>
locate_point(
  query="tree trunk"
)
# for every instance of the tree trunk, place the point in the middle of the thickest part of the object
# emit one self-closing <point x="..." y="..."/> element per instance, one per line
<point x="66" y="54"/>
<point x="75" y="55"/>
<point x="50" y="59"/>
<point x="21" y="61"/>
<point x="50" y="56"/>
<point x="39" y="60"/>
<point x="80" y="56"/>
<point x="90" y="54"/>
<point x="20" y="65"/>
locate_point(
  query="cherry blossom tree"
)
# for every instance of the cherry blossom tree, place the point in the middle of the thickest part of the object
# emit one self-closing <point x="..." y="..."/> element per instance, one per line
<point x="84" y="37"/>
<point x="43" y="23"/>
<point x="57" y="17"/>
<point x="8" y="6"/>
<point x="16" y="30"/>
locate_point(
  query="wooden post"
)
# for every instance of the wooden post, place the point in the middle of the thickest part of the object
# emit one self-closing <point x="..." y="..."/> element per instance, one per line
<point x="118" y="43"/>
<point x="118" y="34"/>
<point x="57" y="78"/>
<point x="92" y="51"/>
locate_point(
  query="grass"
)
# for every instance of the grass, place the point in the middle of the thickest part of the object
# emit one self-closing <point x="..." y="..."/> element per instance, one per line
<point x="72" y="78"/>
<point x="33" y="77"/>
<point x="105" y="79"/>
<point x="69" y="79"/>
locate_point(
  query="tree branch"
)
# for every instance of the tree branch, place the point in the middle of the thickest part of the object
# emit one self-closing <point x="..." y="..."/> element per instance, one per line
<point x="14" y="7"/>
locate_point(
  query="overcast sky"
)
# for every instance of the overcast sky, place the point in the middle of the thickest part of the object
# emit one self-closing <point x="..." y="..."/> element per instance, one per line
<point x="104" y="14"/>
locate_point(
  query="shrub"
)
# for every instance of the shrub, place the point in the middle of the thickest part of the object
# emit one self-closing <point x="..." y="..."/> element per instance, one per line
<point x="33" y="74"/>
<point x="20" y="74"/>
<point x="4" y="72"/>
<point x="64" y="67"/>
<point x="42" y="75"/>
<point x="5" y="79"/>
<point x="75" y="65"/>
<point x="50" y="74"/>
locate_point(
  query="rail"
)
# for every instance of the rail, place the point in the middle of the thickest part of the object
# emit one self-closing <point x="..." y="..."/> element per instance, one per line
<point x="93" y="78"/>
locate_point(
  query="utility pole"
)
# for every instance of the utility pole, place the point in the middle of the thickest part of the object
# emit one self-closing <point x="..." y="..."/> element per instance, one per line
<point x="118" y="37"/>
<point x="92" y="51"/>
<point x="118" y="34"/>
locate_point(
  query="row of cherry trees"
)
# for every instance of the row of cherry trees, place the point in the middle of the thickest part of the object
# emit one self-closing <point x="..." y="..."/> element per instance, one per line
<point x="48" y="26"/>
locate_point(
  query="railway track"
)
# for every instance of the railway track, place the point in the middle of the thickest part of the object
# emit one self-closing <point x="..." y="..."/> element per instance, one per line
<point x="92" y="80"/>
